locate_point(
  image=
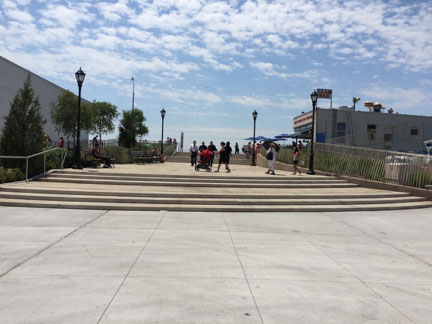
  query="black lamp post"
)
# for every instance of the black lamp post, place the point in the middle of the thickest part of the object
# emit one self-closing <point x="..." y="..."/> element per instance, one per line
<point x="163" y="112"/>
<point x="80" y="76"/>
<point x="133" y="92"/>
<point x="254" y="115"/>
<point x="314" y="98"/>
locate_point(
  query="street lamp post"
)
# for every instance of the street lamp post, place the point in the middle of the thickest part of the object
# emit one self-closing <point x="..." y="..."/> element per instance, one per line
<point x="133" y="92"/>
<point x="314" y="98"/>
<point x="254" y="115"/>
<point x="163" y="112"/>
<point x="80" y="76"/>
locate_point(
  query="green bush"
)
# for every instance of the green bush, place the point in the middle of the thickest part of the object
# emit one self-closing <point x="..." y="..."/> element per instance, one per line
<point x="11" y="175"/>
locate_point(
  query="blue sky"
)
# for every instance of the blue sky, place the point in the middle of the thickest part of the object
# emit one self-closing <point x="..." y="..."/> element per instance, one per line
<point x="209" y="64"/>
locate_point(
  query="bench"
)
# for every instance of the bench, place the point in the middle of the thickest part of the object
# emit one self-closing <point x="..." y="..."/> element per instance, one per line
<point x="142" y="156"/>
<point x="90" y="159"/>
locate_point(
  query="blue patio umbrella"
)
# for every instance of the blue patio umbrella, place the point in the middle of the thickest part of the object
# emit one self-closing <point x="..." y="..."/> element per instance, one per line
<point x="283" y="136"/>
<point x="248" y="139"/>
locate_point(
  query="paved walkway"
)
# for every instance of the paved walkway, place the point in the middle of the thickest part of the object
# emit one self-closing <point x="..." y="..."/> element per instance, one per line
<point x="90" y="266"/>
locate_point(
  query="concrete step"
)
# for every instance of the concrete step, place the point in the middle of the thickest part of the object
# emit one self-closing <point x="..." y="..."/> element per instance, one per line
<point x="118" y="191"/>
<point x="215" y="163"/>
<point x="263" y="180"/>
<point x="109" y="189"/>
<point x="196" y="175"/>
<point x="201" y="184"/>
<point x="91" y="197"/>
<point x="209" y="208"/>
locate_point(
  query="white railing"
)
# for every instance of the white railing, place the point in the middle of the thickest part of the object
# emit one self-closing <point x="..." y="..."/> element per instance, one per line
<point x="406" y="169"/>
<point x="44" y="153"/>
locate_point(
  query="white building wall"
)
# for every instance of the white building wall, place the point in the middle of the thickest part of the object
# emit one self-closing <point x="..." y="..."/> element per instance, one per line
<point x="392" y="132"/>
<point x="12" y="79"/>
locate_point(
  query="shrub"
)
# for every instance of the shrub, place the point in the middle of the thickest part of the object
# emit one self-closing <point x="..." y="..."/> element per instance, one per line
<point x="11" y="175"/>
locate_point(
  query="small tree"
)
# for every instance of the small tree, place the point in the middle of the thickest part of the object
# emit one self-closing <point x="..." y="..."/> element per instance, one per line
<point x="103" y="116"/>
<point x="23" y="133"/>
<point x="131" y="127"/>
<point x="64" y="114"/>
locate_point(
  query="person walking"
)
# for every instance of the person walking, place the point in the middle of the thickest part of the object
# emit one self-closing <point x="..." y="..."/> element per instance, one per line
<point x="296" y="160"/>
<point x="271" y="158"/>
<point x="193" y="151"/>
<point x="228" y="148"/>
<point x="223" y="158"/>
<point x="212" y="148"/>
<point x="237" y="149"/>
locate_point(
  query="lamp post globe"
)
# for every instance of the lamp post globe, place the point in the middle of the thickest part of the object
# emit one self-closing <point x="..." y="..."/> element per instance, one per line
<point x="254" y="116"/>
<point x="79" y="76"/>
<point x="314" y="99"/>
<point x="163" y="113"/>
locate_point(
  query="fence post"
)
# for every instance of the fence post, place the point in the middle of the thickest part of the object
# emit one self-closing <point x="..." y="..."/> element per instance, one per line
<point x="26" y="169"/>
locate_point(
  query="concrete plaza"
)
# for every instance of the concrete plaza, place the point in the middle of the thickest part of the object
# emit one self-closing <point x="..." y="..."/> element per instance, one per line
<point x="99" y="266"/>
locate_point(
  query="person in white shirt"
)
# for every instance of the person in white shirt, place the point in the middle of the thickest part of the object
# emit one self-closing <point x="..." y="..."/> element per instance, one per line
<point x="271" y="158"/>
<point x="193" y="151"/>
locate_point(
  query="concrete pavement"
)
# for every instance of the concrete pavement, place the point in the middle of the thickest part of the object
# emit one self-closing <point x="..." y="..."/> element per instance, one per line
<point x="101" y="266"/>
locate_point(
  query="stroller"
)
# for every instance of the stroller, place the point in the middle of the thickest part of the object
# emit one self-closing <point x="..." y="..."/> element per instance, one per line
<point x="204" y="162"/>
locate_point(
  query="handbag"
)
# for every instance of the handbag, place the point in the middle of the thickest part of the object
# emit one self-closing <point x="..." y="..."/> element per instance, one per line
<point x="269" y="156"/>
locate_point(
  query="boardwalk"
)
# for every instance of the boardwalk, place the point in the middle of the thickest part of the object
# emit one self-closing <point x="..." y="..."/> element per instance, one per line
<point x="116" y="266"/>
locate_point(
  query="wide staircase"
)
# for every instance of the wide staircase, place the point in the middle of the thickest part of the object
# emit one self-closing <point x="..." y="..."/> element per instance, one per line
<point x="186" y="190"/>
<point x="184" y="157"/>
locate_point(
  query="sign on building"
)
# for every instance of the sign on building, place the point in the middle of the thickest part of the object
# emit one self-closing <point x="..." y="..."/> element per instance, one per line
<point x="302" y="120"/>
<point x="325" y="93"/>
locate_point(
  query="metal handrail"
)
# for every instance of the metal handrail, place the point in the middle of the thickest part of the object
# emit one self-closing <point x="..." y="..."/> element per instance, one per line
<point x="62" y="158"/>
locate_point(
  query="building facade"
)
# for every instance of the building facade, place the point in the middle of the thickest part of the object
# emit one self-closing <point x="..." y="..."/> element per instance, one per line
<point x="377" y="130"/>
<point x="12" y="77"/>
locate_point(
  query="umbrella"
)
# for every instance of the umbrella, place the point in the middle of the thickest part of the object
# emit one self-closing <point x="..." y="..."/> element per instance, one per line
<point x="283" y="136"/>
<point x="248" y="139"/>
<point x="267" y="144"/>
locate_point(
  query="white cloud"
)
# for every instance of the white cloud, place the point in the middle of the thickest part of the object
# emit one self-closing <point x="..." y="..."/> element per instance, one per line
<point x="20" y="15"/>
<point x="397" y="98"/>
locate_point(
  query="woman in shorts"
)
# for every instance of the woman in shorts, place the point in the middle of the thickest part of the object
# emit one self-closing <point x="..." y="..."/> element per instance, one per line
<point x="296" y="161"/>
<point x="223" y="157"/>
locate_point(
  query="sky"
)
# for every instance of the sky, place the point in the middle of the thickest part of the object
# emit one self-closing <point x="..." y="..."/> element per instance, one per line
<point x="210" y="64"/>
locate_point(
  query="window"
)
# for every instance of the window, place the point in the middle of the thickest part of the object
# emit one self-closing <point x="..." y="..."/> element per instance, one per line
<point x="340" y="127"/>
<point x="414" y="131"/>
<point x="371" y="136"/>
<point x="387" y="137"/>
<point x="371" y="128"/>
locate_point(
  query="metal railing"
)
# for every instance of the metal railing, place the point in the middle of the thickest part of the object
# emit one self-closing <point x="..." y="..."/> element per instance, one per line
<point x="44" y="153"/>
<point x="407" y="169"/>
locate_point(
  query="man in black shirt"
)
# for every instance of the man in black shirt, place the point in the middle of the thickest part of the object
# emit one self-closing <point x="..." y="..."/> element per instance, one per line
<point x="213" y="149"/>
<point x="202" y="147"/>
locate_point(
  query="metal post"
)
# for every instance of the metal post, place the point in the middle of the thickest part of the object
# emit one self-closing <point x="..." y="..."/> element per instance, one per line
<point x="253" y="146"/>
<point x="133" y="93"/>
<point x="79" y="75"/>
<point x="27" y="169"/>
<point x="44" y="165"/>
<point x="162" y="136"/>
<point x="311" y="157"/>
<point x="78" y="164"/>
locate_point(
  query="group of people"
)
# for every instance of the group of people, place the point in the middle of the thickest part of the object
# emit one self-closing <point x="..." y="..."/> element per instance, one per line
<point x="224" y="151"/>
<point x="169" y="140"/>
<point x="271" y="158"/>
